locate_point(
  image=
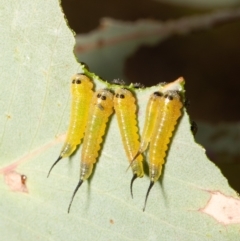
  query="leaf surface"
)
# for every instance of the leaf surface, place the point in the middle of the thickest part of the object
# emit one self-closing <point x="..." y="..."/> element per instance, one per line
<point x="37" y="63"/>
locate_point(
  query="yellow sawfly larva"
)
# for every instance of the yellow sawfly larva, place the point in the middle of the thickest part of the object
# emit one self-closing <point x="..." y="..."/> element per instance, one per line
<point x="169" y="112"/>
<point x="101" y="108"/>
<point x="151" y="114"/>
<point x="125" y="108"/>
<point x="81" y="90"/>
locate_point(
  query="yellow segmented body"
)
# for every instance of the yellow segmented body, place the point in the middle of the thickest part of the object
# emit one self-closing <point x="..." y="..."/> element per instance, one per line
<point x="170" y="110"/>
<point x="125" y="108"/>
<point x="82" y="93"/>
<point x="152" y="112"/>
<point x="100" y="110"/>
<point x="81" y="90"/>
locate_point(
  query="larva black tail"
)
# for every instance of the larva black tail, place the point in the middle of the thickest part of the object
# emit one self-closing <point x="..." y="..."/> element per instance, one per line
<point x="59" y="158"/>
<point x="150" y="186"/>
<point x="133" y="178"/>
<point x="131" y="162"/>
<point x="74" y="193"/>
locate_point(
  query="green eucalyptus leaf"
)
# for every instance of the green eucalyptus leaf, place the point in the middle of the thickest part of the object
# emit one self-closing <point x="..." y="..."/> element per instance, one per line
<point x="36" y="65"/>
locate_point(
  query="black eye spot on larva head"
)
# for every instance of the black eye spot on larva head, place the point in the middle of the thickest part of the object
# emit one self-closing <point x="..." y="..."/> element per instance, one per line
<point x="166" y="96"/>
<point x="157" y="93"/>
<point x="117" y="95"/>
<point x="99" y="95"/>
<point x="170" y="97"/>
<point x="103" y="97"/>
<point x="78" y="81"/>
<point x="73" y="82"/>
<point x="122" y="96"/>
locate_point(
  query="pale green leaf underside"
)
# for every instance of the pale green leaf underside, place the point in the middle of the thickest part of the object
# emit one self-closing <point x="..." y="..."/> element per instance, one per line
<point x="37" y="63"/>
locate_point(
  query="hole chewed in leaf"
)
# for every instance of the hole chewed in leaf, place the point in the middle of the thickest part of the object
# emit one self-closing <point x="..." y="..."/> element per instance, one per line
<point x="223" y="208"/>
<point x="16" y="181"/>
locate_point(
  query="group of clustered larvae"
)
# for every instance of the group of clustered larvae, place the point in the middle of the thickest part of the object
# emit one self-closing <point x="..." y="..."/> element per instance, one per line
<point x="90" y="113"/>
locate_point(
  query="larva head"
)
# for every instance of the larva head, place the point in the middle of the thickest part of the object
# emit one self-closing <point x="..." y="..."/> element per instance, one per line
<point x="124" y="96"/>
<point x="80" y="84"/>
<point x="104" y="99"/>
<point x="172" y="95"/>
